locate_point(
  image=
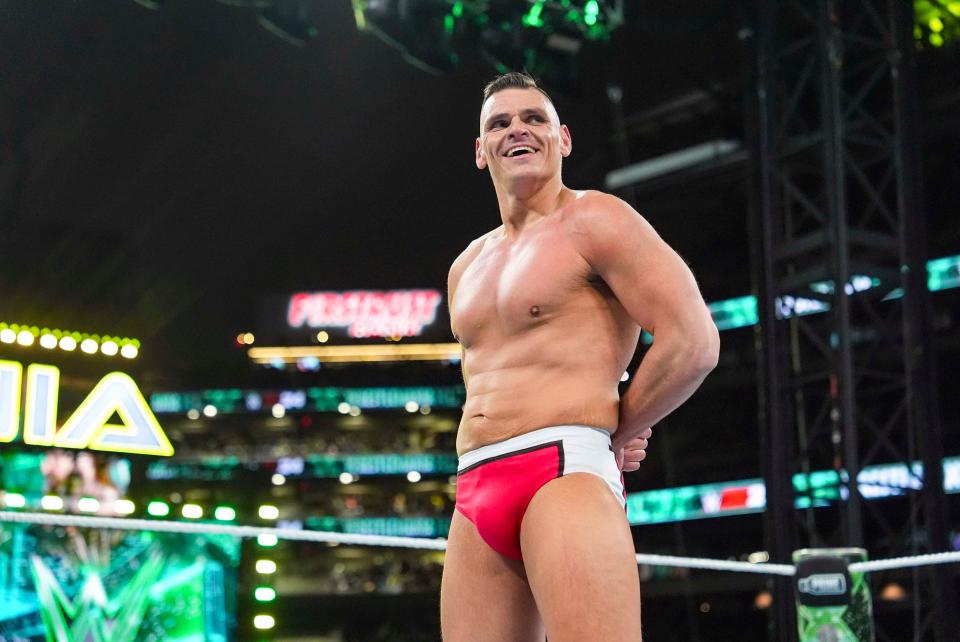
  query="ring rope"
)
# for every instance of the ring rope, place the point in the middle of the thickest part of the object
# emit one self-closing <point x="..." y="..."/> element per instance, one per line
<point x="438" y="544"/>
<point x="905" y="562"/>
<point x="715" y="565"/>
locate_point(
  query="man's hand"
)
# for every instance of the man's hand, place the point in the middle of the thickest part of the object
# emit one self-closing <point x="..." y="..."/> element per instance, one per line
<point x="630" y="456"/>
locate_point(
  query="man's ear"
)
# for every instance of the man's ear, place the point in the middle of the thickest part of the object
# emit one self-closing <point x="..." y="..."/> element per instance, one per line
<point x="480" y="158"/>
<point x="566" y="141"/>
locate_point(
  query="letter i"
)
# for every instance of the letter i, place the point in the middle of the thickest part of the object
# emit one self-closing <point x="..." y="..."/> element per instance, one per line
<point x="40" y="420"/>
<point x="10" y="375"/>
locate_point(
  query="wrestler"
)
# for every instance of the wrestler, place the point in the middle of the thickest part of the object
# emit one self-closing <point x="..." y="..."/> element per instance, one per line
<point x="548" y="308"/>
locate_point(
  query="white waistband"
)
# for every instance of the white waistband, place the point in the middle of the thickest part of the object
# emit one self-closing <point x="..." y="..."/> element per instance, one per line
<point x="534" y="438"/>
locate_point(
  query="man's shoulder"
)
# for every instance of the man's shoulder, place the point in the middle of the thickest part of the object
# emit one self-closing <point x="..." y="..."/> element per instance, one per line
<point x="594" y="211"/>
<point x="471" y="251"/>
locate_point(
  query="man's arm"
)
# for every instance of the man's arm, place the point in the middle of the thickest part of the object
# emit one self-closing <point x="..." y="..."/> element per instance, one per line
<point x="658" y="291"/>
<point x="453" y="280"/>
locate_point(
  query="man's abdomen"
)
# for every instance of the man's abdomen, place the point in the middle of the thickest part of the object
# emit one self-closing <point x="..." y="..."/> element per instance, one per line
<point x="507" y="402"/>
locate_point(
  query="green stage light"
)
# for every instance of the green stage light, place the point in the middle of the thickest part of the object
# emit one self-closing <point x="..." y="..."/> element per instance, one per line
<point x="267" y="540"/>
<point x="264" y="594"/>
<point x="158" y="509"/>
<point x="225" y="514"/>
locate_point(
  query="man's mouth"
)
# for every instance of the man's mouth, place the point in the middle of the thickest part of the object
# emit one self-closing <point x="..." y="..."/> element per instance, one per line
<point x="519" y="150"/>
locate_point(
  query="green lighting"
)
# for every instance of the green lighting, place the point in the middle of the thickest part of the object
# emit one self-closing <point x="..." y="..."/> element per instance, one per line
<point x="457" y="9"/>
<point x="448" y="24"/>
<point x="224" y="514"/>
<point x="158" y="509"/>
<point x="943" y="273"/>
<point x="734" y="313"/>
<point x="936" y="22"/>
<point x="592" y="8"/>
<point x="264" y="594"/>
<point x="14" y="500"/>
<point x="267" y="540"/>
<point x="590" y="19"/>
<point x="533" y="19"/>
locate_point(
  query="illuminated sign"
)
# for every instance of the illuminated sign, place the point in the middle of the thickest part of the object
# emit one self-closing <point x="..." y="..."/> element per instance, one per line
<point x="88" y="427"/>
<point x="383" y="526"/>
<point x="366" y="313"/>
<point x="818" y="488"/>
<point x="327" y="399"/>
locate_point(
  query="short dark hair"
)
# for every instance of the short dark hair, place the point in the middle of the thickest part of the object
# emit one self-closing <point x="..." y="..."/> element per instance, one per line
<point x="513" y="80"/>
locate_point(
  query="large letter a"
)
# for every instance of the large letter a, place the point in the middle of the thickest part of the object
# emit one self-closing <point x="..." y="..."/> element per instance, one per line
<point x="140" y="432"/>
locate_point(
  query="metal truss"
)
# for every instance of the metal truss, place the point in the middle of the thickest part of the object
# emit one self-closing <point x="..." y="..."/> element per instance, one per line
<point x="838" y="225"/>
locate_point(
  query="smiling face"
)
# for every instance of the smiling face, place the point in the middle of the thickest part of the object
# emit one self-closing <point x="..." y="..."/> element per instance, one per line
<point x="521" y="137"/>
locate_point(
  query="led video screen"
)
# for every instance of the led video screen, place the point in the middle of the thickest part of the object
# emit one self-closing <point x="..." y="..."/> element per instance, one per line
<point x="67" y="584"/>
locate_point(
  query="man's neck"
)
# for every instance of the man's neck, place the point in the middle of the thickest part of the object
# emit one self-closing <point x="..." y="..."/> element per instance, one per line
<point x="524" y="205"/>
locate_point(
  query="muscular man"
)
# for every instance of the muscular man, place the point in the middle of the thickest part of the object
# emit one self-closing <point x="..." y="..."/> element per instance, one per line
<point x="548" y="308"/>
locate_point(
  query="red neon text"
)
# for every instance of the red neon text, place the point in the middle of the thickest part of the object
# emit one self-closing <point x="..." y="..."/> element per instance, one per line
<point x="396" y="313"/>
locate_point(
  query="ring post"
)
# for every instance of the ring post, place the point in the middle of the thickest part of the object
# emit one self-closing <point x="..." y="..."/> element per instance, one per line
<point x="832" y="603"/>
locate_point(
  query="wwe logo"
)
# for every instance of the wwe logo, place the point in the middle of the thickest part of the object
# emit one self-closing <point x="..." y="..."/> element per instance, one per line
<point x="92" y="616"/>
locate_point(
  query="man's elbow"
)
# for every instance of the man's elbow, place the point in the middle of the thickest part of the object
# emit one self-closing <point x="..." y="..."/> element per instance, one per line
<point x="704" y="353"/>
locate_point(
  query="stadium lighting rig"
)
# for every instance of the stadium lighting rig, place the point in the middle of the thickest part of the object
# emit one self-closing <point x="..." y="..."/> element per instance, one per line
<point x="541" y="36"/>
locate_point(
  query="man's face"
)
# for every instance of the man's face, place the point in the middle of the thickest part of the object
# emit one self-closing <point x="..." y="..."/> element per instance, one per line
<point x="521" y="136"/>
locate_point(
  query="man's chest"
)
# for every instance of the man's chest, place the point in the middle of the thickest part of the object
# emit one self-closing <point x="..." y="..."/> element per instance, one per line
<point x="508" y="288"/>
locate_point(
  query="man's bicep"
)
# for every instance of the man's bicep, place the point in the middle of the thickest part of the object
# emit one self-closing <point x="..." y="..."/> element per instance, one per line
<point x="646" y="275"/>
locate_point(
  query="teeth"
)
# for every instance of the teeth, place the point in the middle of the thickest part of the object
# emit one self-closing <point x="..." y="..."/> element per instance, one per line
<point x="521" y="148"/>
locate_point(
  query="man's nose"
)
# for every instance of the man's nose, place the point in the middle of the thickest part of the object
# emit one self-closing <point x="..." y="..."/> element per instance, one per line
<point x="517" y="128"/>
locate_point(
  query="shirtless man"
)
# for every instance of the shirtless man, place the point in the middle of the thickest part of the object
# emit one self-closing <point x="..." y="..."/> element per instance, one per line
<point x="548" y="308"/>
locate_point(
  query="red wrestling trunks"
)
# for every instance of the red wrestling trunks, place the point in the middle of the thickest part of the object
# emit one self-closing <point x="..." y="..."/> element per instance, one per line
<point x="495" y="483"/>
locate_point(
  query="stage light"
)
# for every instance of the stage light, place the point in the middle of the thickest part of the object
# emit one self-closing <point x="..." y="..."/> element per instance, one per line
<point x="129" y="351"/>
<point x="759" y="557"/>
<point x="51" y="502"/>
<point x="411" y="406"/>
<point x="68" y="343"/>
<point x="267" y="540"/>
<point x="109" y="348"/>
<point x="345" y="478"/>
<point x="278" y="411"/>
<point x="266" y="567"/>
<point x="14" y="500"/>
<point x="268" y="512"/>
<point x="89" y="346"/>
<point x="763" y="600"/>
<point x="893" y="592"/>
<point x="278" y="480"/>
<point x="209" y="410"/>
<point x="123" y="507"/>
<point x="225" y="514"/>
<point x="414" y="476"/>
<point x="343" y="408"/>
<point x="263" y="622"/>
<point x="158" y="509"/>
<point x="48" y="341"/>
<point x="424" y="410"/>
<point x="25" y="338"/>
<point x="355" y="411"/>
<point x="8" y="336"/>
<point x="264" y="594"/>
<point x="323" y="336"/>
<point x="191" y="511"/>
<point x="193" y="414"/>
<point x="88" y="505"/>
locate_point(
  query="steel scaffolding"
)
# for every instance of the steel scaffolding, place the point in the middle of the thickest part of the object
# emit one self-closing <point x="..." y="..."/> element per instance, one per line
<point x="838" y="225"/>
